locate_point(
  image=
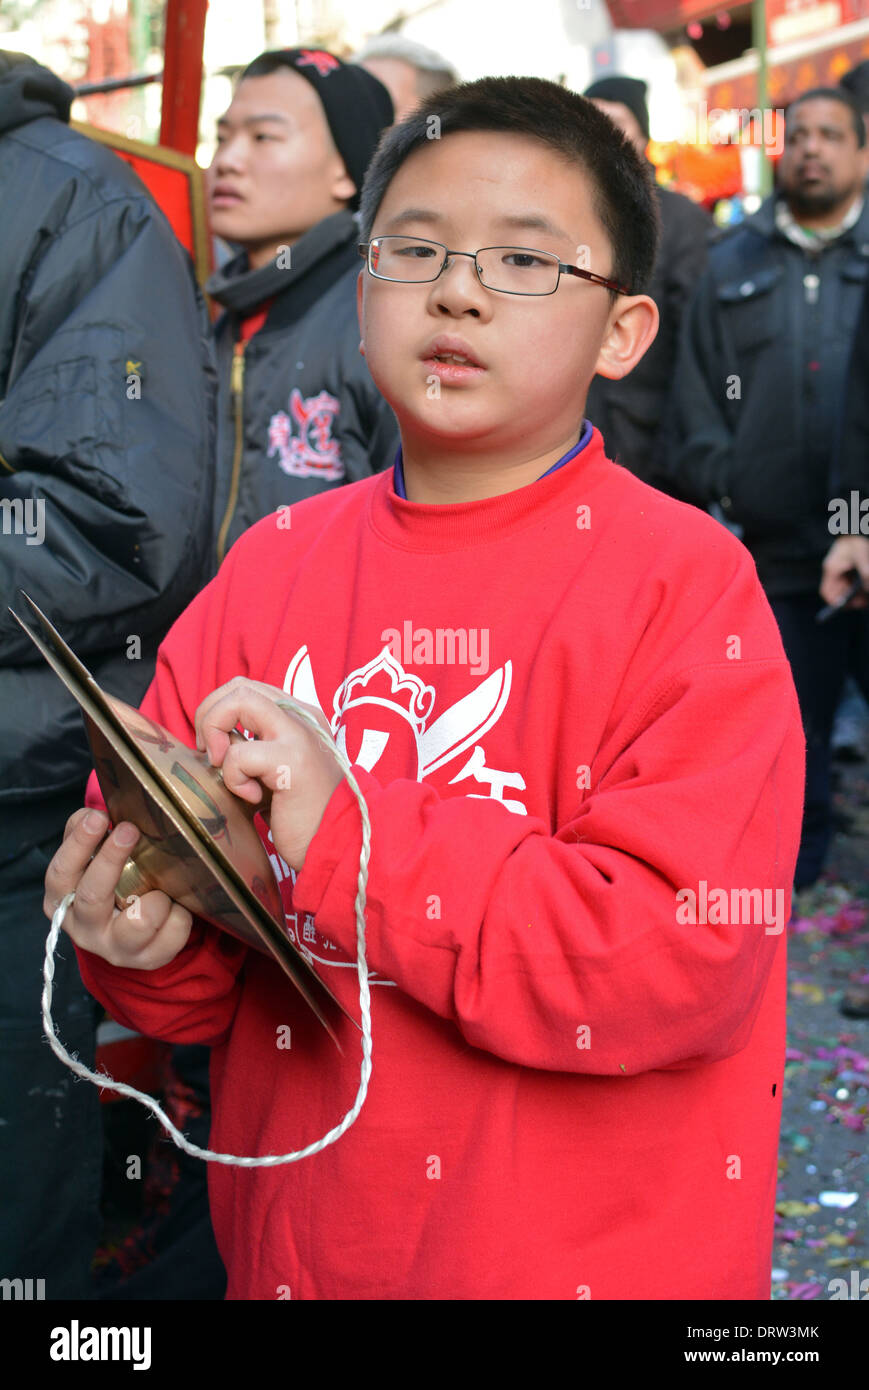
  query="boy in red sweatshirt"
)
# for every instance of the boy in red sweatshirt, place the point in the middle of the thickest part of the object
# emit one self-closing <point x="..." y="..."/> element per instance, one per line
<point x="569" y="713"/>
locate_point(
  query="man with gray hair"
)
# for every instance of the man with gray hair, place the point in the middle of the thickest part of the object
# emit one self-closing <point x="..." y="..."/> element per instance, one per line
<point x="409" y="70"/>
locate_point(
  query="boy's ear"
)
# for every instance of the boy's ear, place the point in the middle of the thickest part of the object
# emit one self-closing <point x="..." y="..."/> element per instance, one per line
<point x="359" y="309"/>
<point x="632" y="330"/>
<point x="343" y="188"/>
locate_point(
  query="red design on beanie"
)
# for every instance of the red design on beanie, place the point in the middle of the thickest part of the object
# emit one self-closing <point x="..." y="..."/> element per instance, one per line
<point x="316" y="58"/>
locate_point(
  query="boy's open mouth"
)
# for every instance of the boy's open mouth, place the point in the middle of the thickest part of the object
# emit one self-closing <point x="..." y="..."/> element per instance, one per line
<point x="451" y="359"/>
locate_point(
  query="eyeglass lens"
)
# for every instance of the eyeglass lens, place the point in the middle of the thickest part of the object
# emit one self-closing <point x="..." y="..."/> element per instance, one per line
<point x="514" y="269"/>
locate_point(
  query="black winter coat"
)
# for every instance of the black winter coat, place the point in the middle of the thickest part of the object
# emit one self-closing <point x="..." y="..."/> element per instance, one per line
<point x="851" y="462"/>
<point x="97" y="295"/>
<point x="629" y="412"/>
<point x="760" y="390"/>
<point x="298" y="411"/>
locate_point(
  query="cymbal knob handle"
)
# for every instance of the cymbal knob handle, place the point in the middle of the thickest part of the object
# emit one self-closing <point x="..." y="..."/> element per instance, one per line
<point x="131" y="884"/>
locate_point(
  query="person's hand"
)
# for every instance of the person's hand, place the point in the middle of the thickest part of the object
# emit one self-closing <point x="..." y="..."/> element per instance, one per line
<point x="147" y="934"/>
<point x="845" y="554"/>
<point x="284" y="755"/>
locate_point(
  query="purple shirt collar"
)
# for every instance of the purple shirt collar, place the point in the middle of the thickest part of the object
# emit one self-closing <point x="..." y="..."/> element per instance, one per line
<point x="398" y="471"/>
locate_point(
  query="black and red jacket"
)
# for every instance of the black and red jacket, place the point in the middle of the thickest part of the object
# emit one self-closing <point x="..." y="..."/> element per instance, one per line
<point x="298" y="412"/>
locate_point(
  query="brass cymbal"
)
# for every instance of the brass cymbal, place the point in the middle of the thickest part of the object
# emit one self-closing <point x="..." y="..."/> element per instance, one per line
<point x="199" y="844"/>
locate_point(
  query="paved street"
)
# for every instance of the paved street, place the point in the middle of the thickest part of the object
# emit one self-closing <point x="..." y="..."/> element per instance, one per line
<point x="822" y="1221"/>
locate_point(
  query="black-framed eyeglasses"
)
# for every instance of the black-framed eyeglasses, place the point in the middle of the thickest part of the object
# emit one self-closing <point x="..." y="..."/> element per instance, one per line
<point x="506" y="269"/>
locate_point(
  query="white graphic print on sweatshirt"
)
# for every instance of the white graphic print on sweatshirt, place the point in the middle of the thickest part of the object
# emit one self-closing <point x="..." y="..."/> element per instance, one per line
<point x="382" y="721"/>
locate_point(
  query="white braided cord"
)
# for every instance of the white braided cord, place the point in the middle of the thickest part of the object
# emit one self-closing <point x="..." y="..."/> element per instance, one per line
<point x="105" y="1082"/>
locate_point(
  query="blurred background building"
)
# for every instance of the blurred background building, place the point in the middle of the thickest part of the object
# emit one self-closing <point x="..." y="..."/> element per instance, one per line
<point x="704" y="63"/>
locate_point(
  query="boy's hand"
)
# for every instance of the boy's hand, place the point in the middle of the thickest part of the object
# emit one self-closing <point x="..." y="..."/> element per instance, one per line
<point x="147" y="934"/>
<point x="284" y="756"/>
<point x="846" y="554"/>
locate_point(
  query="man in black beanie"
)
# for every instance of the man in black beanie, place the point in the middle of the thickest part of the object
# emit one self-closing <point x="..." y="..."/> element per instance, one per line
<point x="857" y="83"/>
<point x="629" y="413"/>
<point x="298" y="411"/>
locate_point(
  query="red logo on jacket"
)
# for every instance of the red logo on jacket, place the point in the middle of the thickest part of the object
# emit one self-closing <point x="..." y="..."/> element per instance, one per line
<point x="312" y="453"/>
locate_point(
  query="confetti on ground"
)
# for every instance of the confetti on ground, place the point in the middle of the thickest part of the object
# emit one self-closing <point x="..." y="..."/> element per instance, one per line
<point x="822" y="1213"/>
<point x="806" y="990"/>
<point x="796" y="1208"/>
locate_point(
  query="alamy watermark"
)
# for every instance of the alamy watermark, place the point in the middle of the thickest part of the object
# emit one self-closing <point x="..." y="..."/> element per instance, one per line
<point x="25" y="1290"/>
<point x="731" y="125"/>
<point x="77" y="1343"/>
<point x="848" y="516"/>
<point x="855" y="1287"/>
<point x="24" y="516"/>
<point x="447" y="646"/>
<point x="736" y="907"/>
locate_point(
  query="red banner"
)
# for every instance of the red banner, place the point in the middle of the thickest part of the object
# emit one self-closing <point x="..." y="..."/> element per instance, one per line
<point x="790" y="21"/>
<point x="175" y="182"/>
<point x="787" y="20"/>
<point x="786" y="80"/>
<point x="661" y="15"/>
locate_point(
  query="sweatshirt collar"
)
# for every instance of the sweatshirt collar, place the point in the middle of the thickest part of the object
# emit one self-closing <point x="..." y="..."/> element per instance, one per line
<point x="242" y="290"/>
<point x="398" y="478"/>
<point x="435" y="527"/>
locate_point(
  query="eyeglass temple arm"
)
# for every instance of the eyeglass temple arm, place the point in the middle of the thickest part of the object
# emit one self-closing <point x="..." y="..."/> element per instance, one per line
<point x="596" y="279"/>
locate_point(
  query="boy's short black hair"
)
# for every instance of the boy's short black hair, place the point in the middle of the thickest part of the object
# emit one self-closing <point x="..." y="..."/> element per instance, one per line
<point x="832" y="94"/>
<point x="624" y="202"/>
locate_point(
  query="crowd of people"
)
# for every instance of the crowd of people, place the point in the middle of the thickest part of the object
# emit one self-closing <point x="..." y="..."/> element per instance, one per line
<point x="733" y="377"/>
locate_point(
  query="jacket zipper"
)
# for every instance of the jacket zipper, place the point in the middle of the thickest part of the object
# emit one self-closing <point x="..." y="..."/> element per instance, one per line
<point x="236" y="386"/>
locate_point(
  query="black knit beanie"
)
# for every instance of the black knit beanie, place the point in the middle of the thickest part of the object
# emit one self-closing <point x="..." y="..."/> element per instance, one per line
<point x="857" y="83"/>
<point x="357" y="105"/>
<point x="630" y="91"/>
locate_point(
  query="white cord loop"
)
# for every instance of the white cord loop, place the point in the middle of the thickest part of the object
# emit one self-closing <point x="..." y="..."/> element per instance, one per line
<point x="104" y="1081"/>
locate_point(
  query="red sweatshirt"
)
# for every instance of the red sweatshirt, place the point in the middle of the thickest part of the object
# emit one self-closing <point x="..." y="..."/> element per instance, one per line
<point x="570" y="712"/>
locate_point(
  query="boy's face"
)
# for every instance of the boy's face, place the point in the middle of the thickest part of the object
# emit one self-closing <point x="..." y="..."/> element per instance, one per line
<point x="537" y="354"/>
<point x="276" y="172"/>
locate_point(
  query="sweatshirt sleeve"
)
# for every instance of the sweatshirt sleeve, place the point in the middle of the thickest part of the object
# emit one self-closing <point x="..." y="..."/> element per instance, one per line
<point x="193" y="998"/>
<point x="524" y="938"/>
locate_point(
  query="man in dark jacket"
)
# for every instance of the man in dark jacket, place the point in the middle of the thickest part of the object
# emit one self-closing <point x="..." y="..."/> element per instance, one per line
<point x="629" y="412"/>
<point x="759" y="396"/>
<point x="298" y="411"/>
<point x="848" y="557"/>
<point x="107" y="395"/>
